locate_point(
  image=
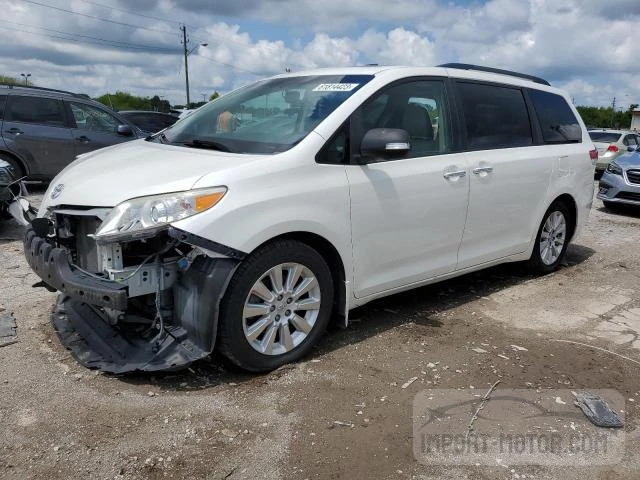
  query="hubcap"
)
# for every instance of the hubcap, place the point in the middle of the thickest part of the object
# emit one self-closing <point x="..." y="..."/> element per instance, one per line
<point x="552" y="237"/>
<point x="281" y="309"/>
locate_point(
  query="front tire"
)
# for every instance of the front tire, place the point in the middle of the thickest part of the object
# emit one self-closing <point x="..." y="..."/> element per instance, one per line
<point x="18" y="170"/>
<point x="552" y="239"/>
<point x="277" y="306"/>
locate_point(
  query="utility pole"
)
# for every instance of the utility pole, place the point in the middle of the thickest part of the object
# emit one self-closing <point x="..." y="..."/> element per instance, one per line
<point x="186" y="65"/>
<point x="613" y="112"/>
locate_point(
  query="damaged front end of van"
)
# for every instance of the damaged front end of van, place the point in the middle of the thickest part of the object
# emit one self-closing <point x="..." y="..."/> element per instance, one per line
<point x="136" y="293"/>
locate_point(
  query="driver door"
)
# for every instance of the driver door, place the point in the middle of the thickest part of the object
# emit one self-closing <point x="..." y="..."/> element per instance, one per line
<point x="408" y="214"/>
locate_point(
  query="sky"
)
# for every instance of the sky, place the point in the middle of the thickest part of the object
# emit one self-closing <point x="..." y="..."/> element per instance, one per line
<point x="587" y="47"/>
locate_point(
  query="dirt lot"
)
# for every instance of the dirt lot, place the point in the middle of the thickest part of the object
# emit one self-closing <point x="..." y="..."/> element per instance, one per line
<point x="212" y="421"/>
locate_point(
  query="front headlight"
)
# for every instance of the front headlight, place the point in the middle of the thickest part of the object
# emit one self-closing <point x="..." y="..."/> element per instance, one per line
<point x="141" y="216"/>
<point x="614" y="168"/>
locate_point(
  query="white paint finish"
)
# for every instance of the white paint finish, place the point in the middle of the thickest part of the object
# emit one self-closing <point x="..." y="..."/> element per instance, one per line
<point x="501" y="202"/>
<point x="110" y="176"/>
<point x="396" y="225"/>
<point x="406" y="220"/>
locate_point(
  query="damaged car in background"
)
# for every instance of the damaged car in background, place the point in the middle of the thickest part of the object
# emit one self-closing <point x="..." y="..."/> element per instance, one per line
<point x="13" y="193"/>
<point x="249" y="225"/>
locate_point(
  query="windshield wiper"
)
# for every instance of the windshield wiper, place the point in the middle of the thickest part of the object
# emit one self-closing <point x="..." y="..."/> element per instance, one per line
<point x="207" y="144"/>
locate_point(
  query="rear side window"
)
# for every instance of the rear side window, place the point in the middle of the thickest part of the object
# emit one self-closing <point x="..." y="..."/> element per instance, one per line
<point x="3" y="101"/>
<point x="494" y="116"/>
<point x="41" y="111"/>
<point x="557" y="121"/>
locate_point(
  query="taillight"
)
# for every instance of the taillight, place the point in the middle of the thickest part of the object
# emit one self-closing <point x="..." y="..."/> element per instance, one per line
<point x="593" y="154"/>
<point x="612" y="148"/>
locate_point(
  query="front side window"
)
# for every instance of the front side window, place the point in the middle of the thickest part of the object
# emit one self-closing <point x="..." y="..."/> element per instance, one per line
<point x="267" y="117"/>
<point x="557" y="121"/>
<point x="36" y="110"/>
<point x="494" y="116"/>
<point x="88" y="117"/>
<point x="419" y="107"/>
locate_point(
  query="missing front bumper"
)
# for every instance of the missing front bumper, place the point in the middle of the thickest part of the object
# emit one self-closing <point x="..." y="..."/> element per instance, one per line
<point x="94" y="319"/>
<point x="97" y="345"/>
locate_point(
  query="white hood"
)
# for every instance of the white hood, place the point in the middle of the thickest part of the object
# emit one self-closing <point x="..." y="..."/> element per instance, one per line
<point x="107" y="177"/>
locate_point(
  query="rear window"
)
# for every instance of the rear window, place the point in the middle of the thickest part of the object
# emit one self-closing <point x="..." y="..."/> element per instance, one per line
<point x="605" y="137"/>
<point x="495" y="117"/>
<point x="41" y="111"/>
<point x="557" y="121"/>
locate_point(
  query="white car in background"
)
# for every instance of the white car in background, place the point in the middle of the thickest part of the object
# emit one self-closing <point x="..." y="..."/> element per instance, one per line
<point x="254" y="222"/>
<point x="611" y="144"/>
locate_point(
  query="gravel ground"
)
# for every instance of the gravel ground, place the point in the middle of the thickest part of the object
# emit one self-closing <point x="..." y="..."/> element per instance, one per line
<point x="60" y="420"/>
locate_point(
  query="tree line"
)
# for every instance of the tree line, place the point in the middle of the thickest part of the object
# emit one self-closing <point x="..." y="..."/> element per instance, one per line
<point x="603" y="117"/>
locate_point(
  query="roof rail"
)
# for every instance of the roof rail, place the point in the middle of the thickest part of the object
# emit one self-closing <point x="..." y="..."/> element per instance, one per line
<point x="467" y="66"/>
<point x="79" y="95"/>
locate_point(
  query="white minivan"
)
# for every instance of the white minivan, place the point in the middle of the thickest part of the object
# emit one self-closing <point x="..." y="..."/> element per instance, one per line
<point x="255" y="221"/>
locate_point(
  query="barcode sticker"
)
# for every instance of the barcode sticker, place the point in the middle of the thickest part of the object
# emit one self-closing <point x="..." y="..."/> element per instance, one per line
<point x="335" y="87"/>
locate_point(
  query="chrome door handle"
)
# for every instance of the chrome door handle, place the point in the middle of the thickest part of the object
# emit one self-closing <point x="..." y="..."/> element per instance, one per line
<point x="457" y="173"/>
<point x="480" y="170"/>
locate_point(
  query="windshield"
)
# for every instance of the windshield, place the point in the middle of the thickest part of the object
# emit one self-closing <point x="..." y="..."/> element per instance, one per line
<point x="605" y="137"/>
<point x="267" y="117"/>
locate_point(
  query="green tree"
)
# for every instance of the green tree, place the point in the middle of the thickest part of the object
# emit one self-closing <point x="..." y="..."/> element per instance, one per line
<point x="126" y="101"/>
<point x="214" y="95"/>
<point x="604" y="117"/>
<point x="6" y="80"/>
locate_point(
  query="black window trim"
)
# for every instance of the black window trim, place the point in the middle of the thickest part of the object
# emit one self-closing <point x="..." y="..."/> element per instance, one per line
<point x="536" y="133"/>
<point x="535" y="114"/>
<point x="72" y="123"/>
<point x="65" y="114"/>
<point x="455" y="145"/>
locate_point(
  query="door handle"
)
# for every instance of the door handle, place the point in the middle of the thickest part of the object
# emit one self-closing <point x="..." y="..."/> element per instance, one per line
<point x="457" y="173"/>
<point x="479" y="170"/>
<point x="83" y="139"/>
<point x="14" y="131"/>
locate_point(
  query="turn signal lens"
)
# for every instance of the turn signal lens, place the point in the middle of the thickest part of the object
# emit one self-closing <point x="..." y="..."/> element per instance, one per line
<point x="204" y="202"/>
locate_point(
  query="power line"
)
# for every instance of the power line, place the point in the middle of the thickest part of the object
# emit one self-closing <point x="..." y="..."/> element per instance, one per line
<point x="99" y="18"/>
<point x="108" y="41"/>
<point x="130" y="12"/>
<point x="75" y="39"/>
<point x="230" y="65"/>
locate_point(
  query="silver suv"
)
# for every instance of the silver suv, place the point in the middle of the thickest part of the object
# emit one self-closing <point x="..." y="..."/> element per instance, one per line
<point x="43" y="130"/>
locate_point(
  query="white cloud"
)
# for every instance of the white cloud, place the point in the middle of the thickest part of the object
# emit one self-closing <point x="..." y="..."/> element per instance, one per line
<point x="578" y="45"/>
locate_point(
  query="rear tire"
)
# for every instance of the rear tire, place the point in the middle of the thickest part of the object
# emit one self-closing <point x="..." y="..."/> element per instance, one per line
<point x="15" y="165"/>
<point x="265" y="320"/>
<point x="552" y="239"/>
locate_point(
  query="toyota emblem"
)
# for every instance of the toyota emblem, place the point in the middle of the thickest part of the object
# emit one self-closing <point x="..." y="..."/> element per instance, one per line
<point x="57" y="190"/>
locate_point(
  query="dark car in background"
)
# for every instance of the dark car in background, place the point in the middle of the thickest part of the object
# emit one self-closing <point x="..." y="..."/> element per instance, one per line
<point x="149" y="122"/>
<point x="43" y="130"/>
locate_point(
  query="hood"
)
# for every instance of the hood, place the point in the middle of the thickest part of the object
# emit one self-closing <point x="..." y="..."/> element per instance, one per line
<point x="629" y="160"/>
<point x="107" y="177"/>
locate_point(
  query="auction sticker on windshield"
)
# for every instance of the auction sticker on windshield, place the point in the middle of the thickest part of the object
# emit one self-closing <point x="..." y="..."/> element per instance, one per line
<point x="335" y="87"/>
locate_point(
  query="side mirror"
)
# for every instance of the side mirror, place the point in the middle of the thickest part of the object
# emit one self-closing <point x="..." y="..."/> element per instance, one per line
<point x="384" y="143"/>
<point x="124" y="130"/>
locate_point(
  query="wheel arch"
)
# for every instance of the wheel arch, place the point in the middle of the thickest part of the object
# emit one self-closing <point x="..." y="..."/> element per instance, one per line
<point x="336" y="265"/>
<point x="21" y="161"/>
<point x="571" y="204"/>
